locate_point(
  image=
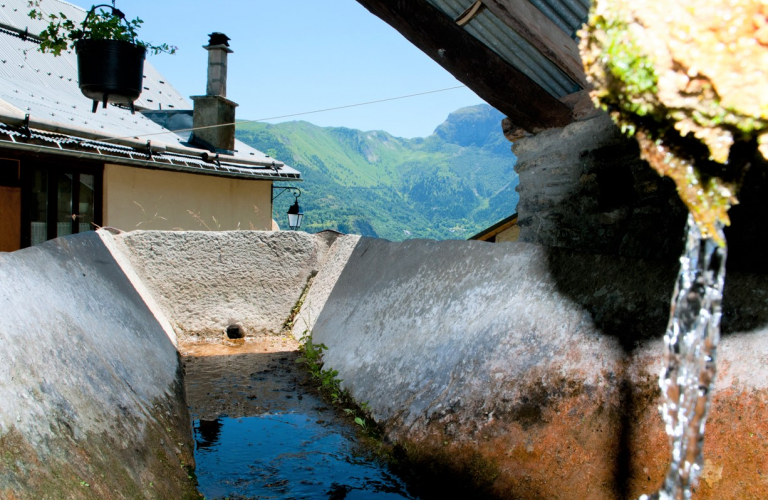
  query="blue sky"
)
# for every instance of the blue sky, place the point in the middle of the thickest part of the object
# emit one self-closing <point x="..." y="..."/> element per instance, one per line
<point x="293" y="56"/>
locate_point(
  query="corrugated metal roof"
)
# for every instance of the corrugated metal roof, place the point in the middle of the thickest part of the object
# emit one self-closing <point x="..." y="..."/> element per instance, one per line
<point x="569" y="15"/>
<point x="158" y="93"/>
<point x="61" y="72"/>
<point x="46" y="87"/>
<point x="68" y="109"/>
<point x="495" y="34"/>
<point x="180" y="120"/>
<point x="72" y="108"/>
<point x="16" y="13"/>
<point x="14" y="136"/>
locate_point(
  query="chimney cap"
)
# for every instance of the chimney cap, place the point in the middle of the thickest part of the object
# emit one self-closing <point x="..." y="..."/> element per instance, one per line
<point x="217" y="38"/>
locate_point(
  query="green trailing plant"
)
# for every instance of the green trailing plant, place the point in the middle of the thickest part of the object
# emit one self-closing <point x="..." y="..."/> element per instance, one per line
<point x="289" y="322"/>
<point x="329" y="385"/>
<point x="63" y="34"/>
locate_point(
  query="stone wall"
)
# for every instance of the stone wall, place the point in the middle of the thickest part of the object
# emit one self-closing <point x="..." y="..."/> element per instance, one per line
<point x="92" y="398"/>
<point x="532" y="373"/>
<point x="585" y="187"/>
<point x="207" y="281"/>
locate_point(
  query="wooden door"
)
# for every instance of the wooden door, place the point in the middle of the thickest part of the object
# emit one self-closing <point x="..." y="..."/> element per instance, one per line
<point x="10" y="218"/>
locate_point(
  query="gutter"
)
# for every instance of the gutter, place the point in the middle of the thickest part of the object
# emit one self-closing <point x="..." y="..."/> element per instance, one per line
<point x="154" y="165"/>
<point x="19" y="120"/>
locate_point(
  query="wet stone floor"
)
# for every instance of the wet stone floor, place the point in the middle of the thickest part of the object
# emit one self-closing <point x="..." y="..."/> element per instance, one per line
<point x="261" y="432"/>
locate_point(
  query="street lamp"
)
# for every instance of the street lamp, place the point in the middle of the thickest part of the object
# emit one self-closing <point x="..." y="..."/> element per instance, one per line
<point x="295" y="214"/>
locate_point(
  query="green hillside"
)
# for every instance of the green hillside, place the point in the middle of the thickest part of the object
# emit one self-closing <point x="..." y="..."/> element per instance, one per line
<point x="449" y="185"/>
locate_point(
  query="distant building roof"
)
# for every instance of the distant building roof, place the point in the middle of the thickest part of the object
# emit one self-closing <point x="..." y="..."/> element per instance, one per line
<point x="45" y="87"/>
<point x="490" y="232"/>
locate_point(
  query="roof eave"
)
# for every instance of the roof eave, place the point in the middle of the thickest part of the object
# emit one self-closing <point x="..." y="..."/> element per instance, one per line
<point x="527" y="104"/>
<point x="495" y="229"/>
<point x="17" y="141"/>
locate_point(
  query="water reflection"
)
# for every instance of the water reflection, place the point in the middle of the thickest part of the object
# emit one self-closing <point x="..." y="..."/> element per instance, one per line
<point x="287" y="456"/>
<point x="207" y="433"/>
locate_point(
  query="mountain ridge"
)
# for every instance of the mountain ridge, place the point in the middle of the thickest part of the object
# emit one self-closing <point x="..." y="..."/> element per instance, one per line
<point x="450" y="184"/>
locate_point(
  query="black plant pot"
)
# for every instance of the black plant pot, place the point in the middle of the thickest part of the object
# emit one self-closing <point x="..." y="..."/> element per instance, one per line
<point x="110" y="71"/>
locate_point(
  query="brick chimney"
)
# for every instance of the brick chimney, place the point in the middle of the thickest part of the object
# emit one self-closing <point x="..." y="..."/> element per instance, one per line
<point x="214" y="108"/>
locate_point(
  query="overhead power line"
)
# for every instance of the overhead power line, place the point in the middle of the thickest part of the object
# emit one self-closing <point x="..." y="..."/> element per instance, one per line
<point x="291" y="115"/>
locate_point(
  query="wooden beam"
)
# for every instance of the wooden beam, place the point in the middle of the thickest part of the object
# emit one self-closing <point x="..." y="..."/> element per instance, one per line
<point x="471" y="62"/>
<point x="538" y="30"/>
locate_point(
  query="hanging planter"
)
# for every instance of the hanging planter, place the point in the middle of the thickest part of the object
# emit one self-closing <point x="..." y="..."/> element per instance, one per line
<point x="110" y="60"/>
<point x="110" y="71"/>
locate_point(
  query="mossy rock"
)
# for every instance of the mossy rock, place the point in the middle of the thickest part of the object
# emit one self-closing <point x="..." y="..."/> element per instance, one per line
<point x="687" y="78"/>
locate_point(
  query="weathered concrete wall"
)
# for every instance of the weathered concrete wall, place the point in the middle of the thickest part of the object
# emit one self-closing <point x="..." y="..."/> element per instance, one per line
<point x="205" y="281"/>
<point x="585" y="187"/>
<point x="525" y="372"/>
<point x="90" y="384"/>
<point x="322" y="285"/>
<point x="532" y="372"/>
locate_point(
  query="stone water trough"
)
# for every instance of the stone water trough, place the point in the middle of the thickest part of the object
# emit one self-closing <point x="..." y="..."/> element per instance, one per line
<point x="512" y="370"/>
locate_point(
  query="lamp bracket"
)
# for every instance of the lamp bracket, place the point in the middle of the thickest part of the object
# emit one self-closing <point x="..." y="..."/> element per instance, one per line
<point x="294" y="190"/>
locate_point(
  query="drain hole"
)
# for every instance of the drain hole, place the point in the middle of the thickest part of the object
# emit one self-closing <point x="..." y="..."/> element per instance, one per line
<point x="234" y="332"/>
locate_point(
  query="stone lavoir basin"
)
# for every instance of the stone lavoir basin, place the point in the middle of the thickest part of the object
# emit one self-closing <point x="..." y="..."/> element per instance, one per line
<point x="511" y="371"/>
<point x="261" y="431"/>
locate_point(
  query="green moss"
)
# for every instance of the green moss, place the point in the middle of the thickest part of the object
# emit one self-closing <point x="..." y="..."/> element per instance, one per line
<point x="634" y="82"/>
<point x="329" y="386"/>
<point x="688" y="137"/>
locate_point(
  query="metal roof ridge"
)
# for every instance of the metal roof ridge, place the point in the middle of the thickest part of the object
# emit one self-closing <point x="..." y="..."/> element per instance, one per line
<point x="73" y="5"/>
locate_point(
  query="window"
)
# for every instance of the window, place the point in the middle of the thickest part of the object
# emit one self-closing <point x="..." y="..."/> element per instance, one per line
<point x="9" y="172"/>
<point x="60" y="200"/>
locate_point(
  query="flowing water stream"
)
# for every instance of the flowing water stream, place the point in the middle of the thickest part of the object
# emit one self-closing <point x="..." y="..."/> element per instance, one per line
<point x="287" y="456"/>
<point x="262" y="433"/>
<point x="688" y="377"/>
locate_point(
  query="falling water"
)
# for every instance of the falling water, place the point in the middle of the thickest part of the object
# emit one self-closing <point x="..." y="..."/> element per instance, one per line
<point x="690" y="342"/>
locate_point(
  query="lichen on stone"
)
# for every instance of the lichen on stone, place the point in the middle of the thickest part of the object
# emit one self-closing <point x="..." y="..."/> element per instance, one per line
<point x="708" y="198"/>
<point x="684" y="72"/>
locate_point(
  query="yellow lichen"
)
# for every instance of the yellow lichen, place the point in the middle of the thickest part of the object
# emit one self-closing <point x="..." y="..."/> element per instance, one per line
<point x="762" y="144"/>
<point x="707" y="61"/>
<point x="707" y="198"/>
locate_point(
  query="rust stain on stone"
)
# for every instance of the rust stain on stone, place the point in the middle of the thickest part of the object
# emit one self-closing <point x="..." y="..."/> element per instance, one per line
<point x="737" y="438"/>
<point x="603" y="443"/>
